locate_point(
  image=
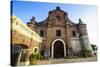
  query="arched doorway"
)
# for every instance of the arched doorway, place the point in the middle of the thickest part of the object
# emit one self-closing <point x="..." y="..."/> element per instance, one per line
<point x="16" y="53"/>
<point x="58" y="49"/>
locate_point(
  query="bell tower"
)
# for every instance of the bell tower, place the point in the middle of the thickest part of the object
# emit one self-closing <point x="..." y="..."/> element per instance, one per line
<point x="84" y="40"/>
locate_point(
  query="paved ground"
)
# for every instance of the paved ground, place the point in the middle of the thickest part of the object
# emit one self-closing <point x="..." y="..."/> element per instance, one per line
<point x="62" y="60"/>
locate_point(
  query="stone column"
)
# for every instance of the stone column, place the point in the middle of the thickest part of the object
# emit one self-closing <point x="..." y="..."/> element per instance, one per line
<point x="48" y="40"/>
<point x="68" y="37"/>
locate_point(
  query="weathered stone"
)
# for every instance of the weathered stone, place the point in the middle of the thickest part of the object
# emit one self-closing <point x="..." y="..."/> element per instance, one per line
<point x="71" y="34"/>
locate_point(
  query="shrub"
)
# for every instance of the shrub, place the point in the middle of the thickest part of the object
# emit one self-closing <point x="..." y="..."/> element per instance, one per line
<point x="36" y="56"/>
<point x="94" y="47"/>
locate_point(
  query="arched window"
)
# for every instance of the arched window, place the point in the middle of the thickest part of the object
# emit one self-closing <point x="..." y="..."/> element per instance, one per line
<point x="35" y="50"/>
<point x="41" y="33"/>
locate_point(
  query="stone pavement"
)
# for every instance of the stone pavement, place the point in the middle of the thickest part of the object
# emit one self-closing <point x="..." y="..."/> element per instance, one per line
<point x="89" y="59"/>
<point x="63" y="60"/>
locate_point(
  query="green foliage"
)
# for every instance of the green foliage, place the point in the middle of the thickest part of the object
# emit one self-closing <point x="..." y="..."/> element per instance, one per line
<point x="36" y="56"/>
<point x="94" y="47"/>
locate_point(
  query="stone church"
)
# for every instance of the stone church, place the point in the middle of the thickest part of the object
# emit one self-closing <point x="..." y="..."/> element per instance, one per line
<point x="61" y="37"/>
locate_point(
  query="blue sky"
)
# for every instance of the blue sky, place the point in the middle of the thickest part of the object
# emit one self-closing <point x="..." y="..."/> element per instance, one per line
<point x="88" y="13"/>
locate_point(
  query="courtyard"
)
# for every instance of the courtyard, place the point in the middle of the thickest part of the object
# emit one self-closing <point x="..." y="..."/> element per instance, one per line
<point x="63" y="60"/>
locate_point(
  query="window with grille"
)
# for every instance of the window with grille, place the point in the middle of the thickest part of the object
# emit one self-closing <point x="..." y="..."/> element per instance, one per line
<point x="58" y="32"/>
<point x="74" y="33"/>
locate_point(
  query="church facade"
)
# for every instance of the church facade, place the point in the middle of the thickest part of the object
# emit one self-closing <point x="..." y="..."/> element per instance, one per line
<point x="60" y="36"/>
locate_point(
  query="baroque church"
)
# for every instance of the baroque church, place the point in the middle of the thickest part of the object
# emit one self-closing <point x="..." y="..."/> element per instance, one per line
<point x="61" y="37"/>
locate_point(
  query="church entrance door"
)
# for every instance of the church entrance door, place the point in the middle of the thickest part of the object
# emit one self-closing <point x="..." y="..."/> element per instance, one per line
<point x="58" y="49"/>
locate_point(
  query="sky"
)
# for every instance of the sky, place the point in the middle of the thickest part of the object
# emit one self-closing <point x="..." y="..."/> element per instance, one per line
<point x="88" y="13"/>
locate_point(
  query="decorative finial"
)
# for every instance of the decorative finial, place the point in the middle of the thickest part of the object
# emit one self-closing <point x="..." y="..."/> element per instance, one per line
<point x="80" y="21"/>
<point x="33" y="17"/>
<point x="32" y="20"/>
<point x="57" y="8"/>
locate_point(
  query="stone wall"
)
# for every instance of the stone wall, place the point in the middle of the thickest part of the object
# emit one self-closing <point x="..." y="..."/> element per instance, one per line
<point x="20" y="39"/>
<point x="86" y="47"/>
<point x="25" y="37"/>
<point x="76" y="46"/>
